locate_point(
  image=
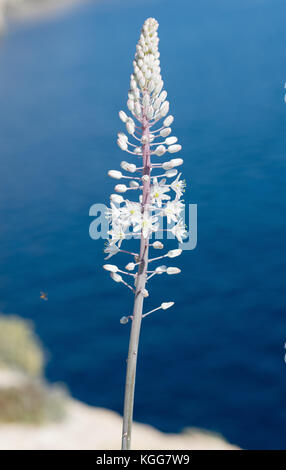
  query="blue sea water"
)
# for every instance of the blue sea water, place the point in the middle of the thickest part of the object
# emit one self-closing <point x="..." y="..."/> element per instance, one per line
<point x="216" y="361"/>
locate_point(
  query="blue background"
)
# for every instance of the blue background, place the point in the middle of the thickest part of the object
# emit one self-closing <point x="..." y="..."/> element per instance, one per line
<point x="216" y="360"/>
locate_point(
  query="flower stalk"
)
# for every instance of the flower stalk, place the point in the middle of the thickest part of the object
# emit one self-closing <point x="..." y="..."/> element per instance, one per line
<point x="139" y="297"/>
<point x="147" y="103"/>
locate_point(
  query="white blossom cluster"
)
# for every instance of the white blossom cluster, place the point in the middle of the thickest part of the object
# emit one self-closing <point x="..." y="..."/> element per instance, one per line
<point x="147" y="103"/>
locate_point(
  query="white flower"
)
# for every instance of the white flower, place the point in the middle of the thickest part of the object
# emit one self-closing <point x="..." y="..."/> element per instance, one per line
<point x="111" y="250"/>
<point x="158" y="191"/>
<point x="172" y="210"/>
<point x="117" y="234"/>
<point x="113" y="213"/>
<point x="147" y="225"/>
<point x="178" y="186"/>
<point x="179" y="230"/>
<point x="131" y="212"/>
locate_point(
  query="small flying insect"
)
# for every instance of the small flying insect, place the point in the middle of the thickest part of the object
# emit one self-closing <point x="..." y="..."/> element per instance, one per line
<point x="43" y="296"/>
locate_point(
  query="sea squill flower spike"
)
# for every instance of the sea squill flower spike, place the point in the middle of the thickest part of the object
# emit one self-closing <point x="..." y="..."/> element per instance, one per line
<point x="157" y="195"/>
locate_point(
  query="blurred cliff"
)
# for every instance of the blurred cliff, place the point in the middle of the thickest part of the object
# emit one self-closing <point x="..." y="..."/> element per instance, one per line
<point x="24" y="394"/>
<point x="29" y="9"/>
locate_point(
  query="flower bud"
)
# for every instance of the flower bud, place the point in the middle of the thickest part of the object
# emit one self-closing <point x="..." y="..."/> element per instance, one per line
<point x="158" y="87"/>
<point x="116" y="198"/>
<point x="151" y="86"/>
<point x="163" y="96"/>
<point x="130" y="266"/>
<point x="123" y="116"/>
<point x="174" y="253"/>
<point x="146" y="100"/>
<point x="161" y="269"/>
<point x="164" y="108"/>
<point x="165" y="132"/>
<point x="145" y="293"/>
<point x="171" y="140"/>
<point x="172" y="270"/>
<point x="130" y="106"/>
<point x="128" y="167"/>
<point x="122" y="144"/>
<point x="166" y="305"/>
<point x="168" y="121"/>
<point x="177" y="162"/>
<point x="130" y="126"/>
<point x="110" y="267"/>
<point x="160" y="150"/>
<point x="167" y="165"/>
<point x="115" y="174"/>
<point x="171" y="173"/>
<point x="134" y="184"/>
<point x="145" y="178"/>
<point x="121" y="188"/>
<point x="158" y="245"/>
<point x="150" y="112"/>
<point x="116" y="277"/>
<point x="124" y="320"/>
<point x="174" y="148"/>
<point x="122" y="136"/>
<point x="157" y="104"/>
<point x="172" y="163"/>
<point x="137" y="109"/>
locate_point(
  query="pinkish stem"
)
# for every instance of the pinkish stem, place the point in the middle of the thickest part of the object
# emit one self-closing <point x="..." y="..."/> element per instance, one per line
<point x="138" y="300"/>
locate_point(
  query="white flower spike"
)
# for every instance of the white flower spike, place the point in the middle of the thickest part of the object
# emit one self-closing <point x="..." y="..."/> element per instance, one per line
<point x="147" y="142"/>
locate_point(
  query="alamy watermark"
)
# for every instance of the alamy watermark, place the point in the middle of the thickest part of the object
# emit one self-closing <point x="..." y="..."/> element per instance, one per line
<point x="100" y="226"/>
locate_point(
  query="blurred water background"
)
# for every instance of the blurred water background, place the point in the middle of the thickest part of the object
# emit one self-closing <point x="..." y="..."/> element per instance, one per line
<point x="217" y="360"/>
